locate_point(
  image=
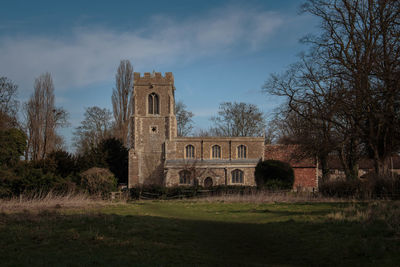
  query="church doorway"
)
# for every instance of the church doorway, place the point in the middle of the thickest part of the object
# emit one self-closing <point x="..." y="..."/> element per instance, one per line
<point x="208" y="182"/>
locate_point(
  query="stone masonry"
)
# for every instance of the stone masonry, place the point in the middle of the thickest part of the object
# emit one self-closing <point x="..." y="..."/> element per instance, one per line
<point x="158" y="157"/>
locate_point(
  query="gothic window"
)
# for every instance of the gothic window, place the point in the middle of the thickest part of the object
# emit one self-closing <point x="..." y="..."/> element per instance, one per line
<point x="216" y="152"/>
<point x="237" y="177"/>
<point x="184" y="177"/>
<point x="241" y="152"/>
<point x="154" y="104"/>
<point x="189" y="152"/>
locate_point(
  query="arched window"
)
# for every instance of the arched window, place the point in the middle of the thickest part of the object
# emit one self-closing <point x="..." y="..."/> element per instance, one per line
<point x="189" y="152"/>
<point x="237" y="177"/>
<point x="216" y="152"/>
<point x="154" y="104"/>
<point x="241" y="152"/>
<point x="184" y="177"/>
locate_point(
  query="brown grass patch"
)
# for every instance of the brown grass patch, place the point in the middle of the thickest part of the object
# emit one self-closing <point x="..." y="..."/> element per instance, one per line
<point x="272" y="197"/>
<point x="377" y="211"/>
<point x="50" y="201"/>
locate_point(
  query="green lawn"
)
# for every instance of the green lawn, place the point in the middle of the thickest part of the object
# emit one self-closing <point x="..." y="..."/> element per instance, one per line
<point x="197" y="233"/>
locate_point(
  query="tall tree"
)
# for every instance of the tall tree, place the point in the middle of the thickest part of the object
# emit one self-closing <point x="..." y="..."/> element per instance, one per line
<point x="183" y="119"/>
<point x="8" y="103"/>
<point x="361" y="45"/>
<point x="96" y="126"/>
<point x="122" y="100"/>
<point x="43" y="119"/>
<point x="238" y="119"/>
<point x="349" y="84"/>
<point x="306" y="117"/>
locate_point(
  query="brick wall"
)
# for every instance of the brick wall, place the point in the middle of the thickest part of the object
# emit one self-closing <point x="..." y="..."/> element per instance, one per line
<point x="305" y="179"/>
<point x="305" y="168"/>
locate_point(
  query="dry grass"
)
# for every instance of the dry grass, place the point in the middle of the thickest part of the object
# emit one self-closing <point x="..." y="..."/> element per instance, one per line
<point x="272" y="197"/>
<point x="377" y="211"/>
<point x="50" y="200"/>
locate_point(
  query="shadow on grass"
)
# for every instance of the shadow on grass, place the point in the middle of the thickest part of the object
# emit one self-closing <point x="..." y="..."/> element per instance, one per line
<point x="281" y="212"/>
<point x="98" y="239"/>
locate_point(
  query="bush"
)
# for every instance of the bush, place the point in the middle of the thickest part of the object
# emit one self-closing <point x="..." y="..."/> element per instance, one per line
<point x="7" y="181"/>
<point x="98" y="181"/>
<point x="30" y="179"/>
<point x="111" y="154"/>
<point x="341" y="189"/>
<point x="12" y="146"/>
<point x="274" y="175"/>
<point x="371" y="188"/>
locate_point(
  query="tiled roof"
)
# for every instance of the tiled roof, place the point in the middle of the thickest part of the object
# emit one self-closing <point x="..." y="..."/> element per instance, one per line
<point x="290" y="154"/>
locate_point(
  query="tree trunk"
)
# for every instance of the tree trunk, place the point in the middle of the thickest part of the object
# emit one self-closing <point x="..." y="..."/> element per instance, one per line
<point x="323" y="160"/>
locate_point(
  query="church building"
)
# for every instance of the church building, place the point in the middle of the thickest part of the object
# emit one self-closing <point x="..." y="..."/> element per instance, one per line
<point x="159" y="157"/>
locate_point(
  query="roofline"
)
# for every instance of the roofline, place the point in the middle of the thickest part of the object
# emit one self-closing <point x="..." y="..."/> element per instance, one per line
<point x="222" y="138"/>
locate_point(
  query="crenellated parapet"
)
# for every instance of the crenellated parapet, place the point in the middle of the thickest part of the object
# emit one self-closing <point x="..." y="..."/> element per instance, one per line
<point x="155" y="78"/>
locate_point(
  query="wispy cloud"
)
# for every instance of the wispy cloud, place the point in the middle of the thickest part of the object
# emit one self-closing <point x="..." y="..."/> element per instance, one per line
<point x="90" y="55"/>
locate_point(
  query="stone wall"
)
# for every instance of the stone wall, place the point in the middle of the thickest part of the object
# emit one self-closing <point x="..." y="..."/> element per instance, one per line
<point x="157" y="155"/>
<point x="151" y="130"/>
<point x="203" y="146"/>
<point x="221" y="175"/>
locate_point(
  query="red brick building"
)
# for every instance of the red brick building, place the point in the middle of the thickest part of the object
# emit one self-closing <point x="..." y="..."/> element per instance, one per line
<point x="305" y="168"/>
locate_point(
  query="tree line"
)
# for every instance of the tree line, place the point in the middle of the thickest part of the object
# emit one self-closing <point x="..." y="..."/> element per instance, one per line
<point x="33" y="154"/>
<point x="342" y="98"/>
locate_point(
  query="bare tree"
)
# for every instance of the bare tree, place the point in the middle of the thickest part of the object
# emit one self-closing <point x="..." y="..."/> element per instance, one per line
<point x="361" y="45"/>
<point x="8" y="103"/>
<point x="199" y="132"/>
<point x="43" y="119"/>
<point x="96" y="126"/>
<point x="306" y="118"/>
<point x="183" y="119"/>
<point x="122" y="100"/>
<point x="347" y="89"/>
<point x="238" y="119"/>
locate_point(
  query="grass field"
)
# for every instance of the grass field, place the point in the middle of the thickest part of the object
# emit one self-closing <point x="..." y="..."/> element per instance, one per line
<point x="154" y="233"/>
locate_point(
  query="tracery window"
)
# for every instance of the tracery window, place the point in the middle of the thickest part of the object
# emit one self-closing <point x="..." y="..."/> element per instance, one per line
<point x="154" y="104"/>
<point x="189" y="152"/>
<point x="237" y="177"/>
<point x="184" y="177"/>
<point x="241" y="152"/>
<point x="216" y="152"/>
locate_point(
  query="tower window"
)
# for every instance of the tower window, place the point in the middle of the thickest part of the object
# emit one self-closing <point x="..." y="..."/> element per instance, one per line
<point x="216" y="152"/>
<point x="189" y="152"/>
<point x="237" y="177"/>
<point x="154" y="104"/>
<point x="241" y="152"/>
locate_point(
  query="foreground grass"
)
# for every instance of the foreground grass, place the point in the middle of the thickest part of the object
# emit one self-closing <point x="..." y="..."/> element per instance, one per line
<point x="201" y="233"/>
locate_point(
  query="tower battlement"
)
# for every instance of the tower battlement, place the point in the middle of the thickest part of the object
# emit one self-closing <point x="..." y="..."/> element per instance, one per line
<point x="153" y="78"/>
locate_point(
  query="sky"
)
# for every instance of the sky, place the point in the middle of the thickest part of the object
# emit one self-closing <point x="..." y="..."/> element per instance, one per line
<point x="218" y="51"/>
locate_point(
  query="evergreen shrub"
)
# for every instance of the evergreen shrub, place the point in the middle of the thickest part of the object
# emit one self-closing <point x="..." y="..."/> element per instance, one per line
<point x="274" y="175"/>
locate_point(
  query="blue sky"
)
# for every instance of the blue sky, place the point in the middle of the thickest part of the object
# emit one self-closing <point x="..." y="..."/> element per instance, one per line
<point x="217" y="50"/>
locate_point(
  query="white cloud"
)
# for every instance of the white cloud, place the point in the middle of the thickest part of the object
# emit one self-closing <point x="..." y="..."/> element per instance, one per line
<point x="91" y="55"/>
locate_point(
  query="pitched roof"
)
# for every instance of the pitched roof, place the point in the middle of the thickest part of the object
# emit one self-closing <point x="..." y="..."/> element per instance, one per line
<point x="290" y="154"/>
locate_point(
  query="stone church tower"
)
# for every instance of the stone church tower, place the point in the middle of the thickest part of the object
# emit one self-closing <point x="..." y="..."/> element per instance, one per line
<point x="158" y="157"/>
<point x="153" y="125"/>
